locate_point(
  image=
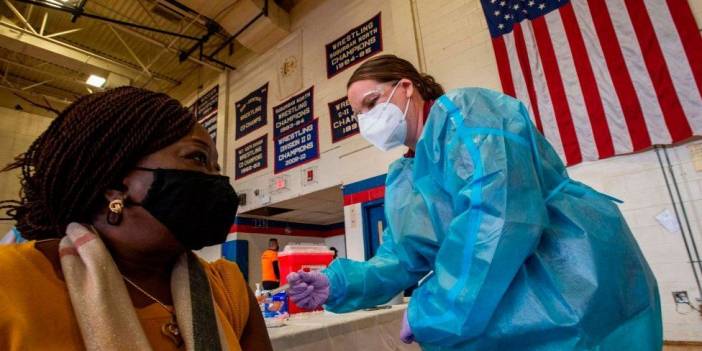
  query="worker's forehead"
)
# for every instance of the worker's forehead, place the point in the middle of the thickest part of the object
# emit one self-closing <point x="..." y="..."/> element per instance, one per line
<point x="359" y="90"/>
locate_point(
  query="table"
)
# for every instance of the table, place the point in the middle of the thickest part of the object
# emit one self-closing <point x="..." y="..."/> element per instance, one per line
<point x="323" y="331"/>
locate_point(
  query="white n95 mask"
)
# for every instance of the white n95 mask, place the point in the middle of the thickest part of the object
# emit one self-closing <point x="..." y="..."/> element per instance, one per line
<point x="384" y="125"/>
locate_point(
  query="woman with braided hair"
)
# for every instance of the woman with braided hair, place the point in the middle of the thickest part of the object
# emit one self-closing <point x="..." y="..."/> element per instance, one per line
<point x="116" y="194"/>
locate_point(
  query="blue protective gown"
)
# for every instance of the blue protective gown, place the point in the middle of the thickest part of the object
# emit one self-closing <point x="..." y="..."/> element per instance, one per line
<point x="523" y="258"/>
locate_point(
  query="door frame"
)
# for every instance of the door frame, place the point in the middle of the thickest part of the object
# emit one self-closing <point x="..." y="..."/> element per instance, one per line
<point x="367" y="237"/>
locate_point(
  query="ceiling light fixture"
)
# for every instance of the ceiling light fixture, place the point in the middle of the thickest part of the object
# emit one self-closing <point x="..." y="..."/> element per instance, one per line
<point x="96" y="81"/>
<point x="71" y="3"/>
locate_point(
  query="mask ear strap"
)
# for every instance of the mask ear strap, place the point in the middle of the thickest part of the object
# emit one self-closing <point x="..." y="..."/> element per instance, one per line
<point x="407" y="106"/>
<point x="393" y="90"/>
<point x="129" y="202"/>
<point x="392" y="93"/>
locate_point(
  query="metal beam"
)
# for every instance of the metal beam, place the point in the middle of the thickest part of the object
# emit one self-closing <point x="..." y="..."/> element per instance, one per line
<point x="131" y="52"/>
<point x="125" y="25"/>
<point x="47" y="107"/>
<point x="28" y="13"/>
<point x="151" y="16"/>
<point x="81" y="57"/>
<point x="167" y="47"/>
<point x="47" y="102"/>
<point x="37" y="84"/>
<point x="19" y="16"/>
<point x="48" y="97"/>
<point x="212" y="27"/>
<point x="187" y="16"/>
<point x="4" y="76"/>
<point x="58" y="34"/>
<point x="189" y="13"/>
<point x="37" y="70"/>
<point x="43" y="23"/>
<point x="19" y="81"/>
<point x="76" y="12"/>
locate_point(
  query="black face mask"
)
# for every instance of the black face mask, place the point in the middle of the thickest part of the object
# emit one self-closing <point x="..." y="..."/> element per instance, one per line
<point x="198" y="208"/>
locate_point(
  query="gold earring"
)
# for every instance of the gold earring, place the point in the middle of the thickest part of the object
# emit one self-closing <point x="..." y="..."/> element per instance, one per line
<point x="114" y="217"/>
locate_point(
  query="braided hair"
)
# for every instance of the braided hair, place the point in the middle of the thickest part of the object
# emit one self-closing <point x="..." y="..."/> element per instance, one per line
<point x="86" y="150"/>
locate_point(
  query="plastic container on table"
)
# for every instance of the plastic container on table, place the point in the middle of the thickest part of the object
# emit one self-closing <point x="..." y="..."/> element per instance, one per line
<point x="307" y="257"/>
<point x="275" y="309"/>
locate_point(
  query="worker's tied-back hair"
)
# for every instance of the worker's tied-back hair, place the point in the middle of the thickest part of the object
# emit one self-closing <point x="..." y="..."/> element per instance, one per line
<point x="86" y="150"/>
<point x="390" y="68"/>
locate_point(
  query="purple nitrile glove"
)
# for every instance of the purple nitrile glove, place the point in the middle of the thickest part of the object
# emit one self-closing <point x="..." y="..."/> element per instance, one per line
<point x="308" y="290"/>
<point x="406" y="333"/>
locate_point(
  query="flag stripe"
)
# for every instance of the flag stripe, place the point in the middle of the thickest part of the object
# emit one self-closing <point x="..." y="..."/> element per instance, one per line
<point x="623" y="84"/>
<point x="498" y="44"/>
<point x="613" y="110"/>
<point x="689" y="35"/>
<point x="655" y="63"/>
<point x="571" y="86"/>
<point x="635" y="63"/>
<point x="526" y="71"/>
<point x="520" y="88"/>
<point x="591" y="95"/>
<point x="676" y="60"/>
<point x="548" y="117"/>
<point x="555" y="87"/>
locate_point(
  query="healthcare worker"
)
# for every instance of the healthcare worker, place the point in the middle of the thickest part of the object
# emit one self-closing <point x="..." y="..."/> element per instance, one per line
<point x="522" y="257"/>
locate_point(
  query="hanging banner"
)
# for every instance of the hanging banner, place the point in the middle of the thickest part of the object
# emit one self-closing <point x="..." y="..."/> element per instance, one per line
<point x="251" y="157"/>
<point x="341" y="120"/>
<point x="294" y="112"/>
<point x="297" y="147"/>
<point x="353" y="47"/>
<point x="205" y="110"/>
<point x="251" y="111"/>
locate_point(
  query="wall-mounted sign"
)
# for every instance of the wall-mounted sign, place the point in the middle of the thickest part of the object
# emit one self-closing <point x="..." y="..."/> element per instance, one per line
<point x="297" y="147"/>
<point x="353" y="47"/>
<point x="341" y="120"/>
<point x="293" y="113"/>
<point x="205" y="111"/>
<point x="279" y="184"/>
<point x="251" y="157"/>
<point x="251" y="111"/>
<point x="308" y="175"/>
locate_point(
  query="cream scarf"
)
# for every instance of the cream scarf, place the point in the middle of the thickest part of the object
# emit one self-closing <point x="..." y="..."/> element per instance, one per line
<point x="104" y="311"/>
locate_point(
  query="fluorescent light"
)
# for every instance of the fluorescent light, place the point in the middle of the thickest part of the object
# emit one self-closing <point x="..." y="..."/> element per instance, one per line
<point x="95" y="81"/>
<point x="62" y="2"/>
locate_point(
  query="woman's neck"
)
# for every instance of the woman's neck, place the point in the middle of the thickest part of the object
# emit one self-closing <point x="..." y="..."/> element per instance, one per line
<point x="151" y="271"/>
<point x="418" y="106"/>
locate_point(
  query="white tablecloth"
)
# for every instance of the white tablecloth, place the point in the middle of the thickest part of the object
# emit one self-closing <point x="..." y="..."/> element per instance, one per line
<point x="362" y="330"/>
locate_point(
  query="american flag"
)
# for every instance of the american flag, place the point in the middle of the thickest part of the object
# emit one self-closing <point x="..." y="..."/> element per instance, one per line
<point x="601" y="77"/>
